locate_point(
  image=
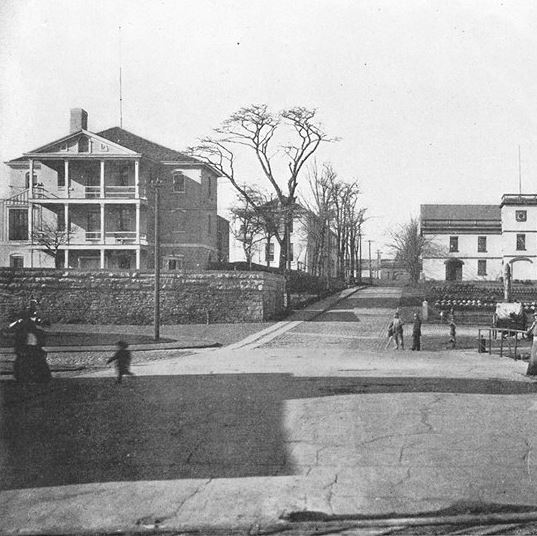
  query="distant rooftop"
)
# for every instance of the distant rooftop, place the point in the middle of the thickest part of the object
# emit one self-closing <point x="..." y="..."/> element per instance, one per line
<point x="519" y="199"/>
<point x="444" y="219"/>
<point x="460" y="212"/>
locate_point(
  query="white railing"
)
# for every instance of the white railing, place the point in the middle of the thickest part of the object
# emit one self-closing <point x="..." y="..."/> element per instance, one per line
<point x="119" y="191"/>
<point x="120" y="237"/>
<point x="91" y="192"/>
<point x="18" y="199"/>
<point x="92" y="236"/>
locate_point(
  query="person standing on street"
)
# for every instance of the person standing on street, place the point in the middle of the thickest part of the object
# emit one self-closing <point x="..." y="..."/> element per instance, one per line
<point x="397" y="327"/>
<point x="532" y="332"/>
<point x="452" y="332"/>
<point x="416" y="333"/>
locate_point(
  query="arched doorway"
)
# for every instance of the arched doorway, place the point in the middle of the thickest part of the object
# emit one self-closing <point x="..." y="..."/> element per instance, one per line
<point x="454" y="270"/>
<point x="522" y="269"/>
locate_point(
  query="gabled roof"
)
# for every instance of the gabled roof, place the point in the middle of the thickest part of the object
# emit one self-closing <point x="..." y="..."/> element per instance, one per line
<point x="53" y="147"/>
<point x="146" y="148"/>
<point x="460" y="212"/>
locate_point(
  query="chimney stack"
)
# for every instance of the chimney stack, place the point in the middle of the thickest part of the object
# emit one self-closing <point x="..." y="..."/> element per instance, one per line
<point x="79" y="120"/>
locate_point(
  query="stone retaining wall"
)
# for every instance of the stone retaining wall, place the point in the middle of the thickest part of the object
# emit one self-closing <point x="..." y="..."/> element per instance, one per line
<point x="128" y="298"/>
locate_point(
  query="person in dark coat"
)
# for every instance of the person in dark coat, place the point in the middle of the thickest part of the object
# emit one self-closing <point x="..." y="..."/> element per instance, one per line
<point x="122" y="357"/>
<point x="30" y="358"/>
<point x="416" y="333"/>
<point x="452" y="332"/>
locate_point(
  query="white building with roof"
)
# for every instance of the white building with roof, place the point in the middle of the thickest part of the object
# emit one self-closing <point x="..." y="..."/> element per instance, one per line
<point x="87" y="201"/>
<point x="475" y="242"/>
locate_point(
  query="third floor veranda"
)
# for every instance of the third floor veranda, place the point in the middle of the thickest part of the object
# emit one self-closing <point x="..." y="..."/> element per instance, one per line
<point x="85" y="179"/>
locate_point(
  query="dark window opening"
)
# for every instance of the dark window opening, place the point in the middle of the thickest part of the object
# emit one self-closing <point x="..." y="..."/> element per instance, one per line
<point x="269" y="254"/>
<point x="482" y="244"/>
<point x="18" y="224"/>
<point x="179" y="185"/>
<point x="124" y="262"/>
<point x="481" y="267"/>
<point x="27" y="179"/>
<point x="124" y="176"/>
<point x="16" y="261"/>
<point x="125" y="219"/>
<point x="453" y="244"/>
<point x="61" y="178"/>
<point x="61" y="220"/>
<point x="521" y="242"/>
<point x="83" y="144"/>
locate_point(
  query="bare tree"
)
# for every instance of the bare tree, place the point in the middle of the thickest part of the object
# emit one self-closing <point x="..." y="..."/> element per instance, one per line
<point x="255" y="128"/>
<point x="51" y="237"/>
<point x="409" y="247"/>
<point x="348" y="219"/>
<point x="317" y="218"/>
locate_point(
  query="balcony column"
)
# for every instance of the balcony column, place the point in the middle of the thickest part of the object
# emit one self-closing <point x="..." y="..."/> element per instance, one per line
<point x="138" y="258"/>
<point x="66" y="258"/>
<point x="102" y="178"/>
<point x="102" y="259"/>
<point x="31" y="179"/>
<point x="138" y="222"/>
<point x="66" y="175"/>
<point x="66" y="218"/>
<point x="136" y="179"/>
<point x="103" y="237"/>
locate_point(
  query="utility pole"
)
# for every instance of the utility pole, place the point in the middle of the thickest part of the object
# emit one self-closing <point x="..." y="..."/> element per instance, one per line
<point x="360" y="256"/>
<point x="378" y="263"/>
<point x="370" y="267"/>
<point x="156" y="183"/>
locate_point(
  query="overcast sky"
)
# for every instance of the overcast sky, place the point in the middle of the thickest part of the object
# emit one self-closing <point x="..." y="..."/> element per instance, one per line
<point x="431" y="99"/>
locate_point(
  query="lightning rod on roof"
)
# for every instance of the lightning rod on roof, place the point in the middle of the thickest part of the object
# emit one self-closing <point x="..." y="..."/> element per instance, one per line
<point x="120" y="85"/>
<point x="519" y="173"/>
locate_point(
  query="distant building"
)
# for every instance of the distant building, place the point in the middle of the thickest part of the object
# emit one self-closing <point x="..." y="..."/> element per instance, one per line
<point x="392" y="270"/>
<point x="92" y="194"/>
<point x="474" y="242"/>
<point x="306" y="253"/>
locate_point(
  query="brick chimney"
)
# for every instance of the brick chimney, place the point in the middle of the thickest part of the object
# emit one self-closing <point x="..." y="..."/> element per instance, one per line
<point x="79" y="120"/>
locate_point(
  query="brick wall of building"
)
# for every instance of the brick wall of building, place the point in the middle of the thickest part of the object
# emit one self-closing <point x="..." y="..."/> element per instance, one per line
<point x="127" y="298"/>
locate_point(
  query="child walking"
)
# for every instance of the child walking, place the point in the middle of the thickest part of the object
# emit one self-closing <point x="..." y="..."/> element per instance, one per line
<point x="123" y="360"/>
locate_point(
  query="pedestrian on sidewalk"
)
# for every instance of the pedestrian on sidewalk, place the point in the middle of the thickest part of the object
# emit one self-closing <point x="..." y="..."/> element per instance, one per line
<point x="416" y="333"/>
<point x="30" y="365"/>
<point x="532" y="332"/>
<point x="397" y="328"/>
<point x="452" y="332"/>
<point x="122" y="357"/>
<point x="390" y="335"/>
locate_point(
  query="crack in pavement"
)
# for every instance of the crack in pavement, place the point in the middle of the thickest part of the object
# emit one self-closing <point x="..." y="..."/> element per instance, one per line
<point x="527" y="456"/>
<point x="331" y="492"/>
<point x="201" y="487"/>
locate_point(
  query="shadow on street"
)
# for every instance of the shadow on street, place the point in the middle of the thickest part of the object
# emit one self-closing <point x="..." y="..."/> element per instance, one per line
<point x="86" y="430"/>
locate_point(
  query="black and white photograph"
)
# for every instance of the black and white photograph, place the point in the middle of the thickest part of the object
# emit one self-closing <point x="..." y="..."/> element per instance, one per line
<point x="268" y="267"/>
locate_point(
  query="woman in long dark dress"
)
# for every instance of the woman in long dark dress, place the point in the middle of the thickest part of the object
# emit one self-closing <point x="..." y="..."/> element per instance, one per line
<point x="30" y="358"/>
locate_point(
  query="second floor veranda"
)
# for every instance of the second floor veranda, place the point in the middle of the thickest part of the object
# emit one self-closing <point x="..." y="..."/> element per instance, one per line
<point x="85" y="179"/>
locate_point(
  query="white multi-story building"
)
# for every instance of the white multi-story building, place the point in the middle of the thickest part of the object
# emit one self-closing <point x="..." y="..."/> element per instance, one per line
<point x="475" y="242"/>
<point x="86" y="201"/>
